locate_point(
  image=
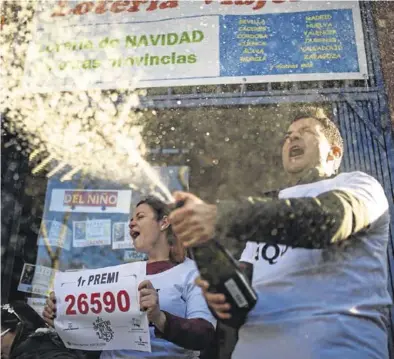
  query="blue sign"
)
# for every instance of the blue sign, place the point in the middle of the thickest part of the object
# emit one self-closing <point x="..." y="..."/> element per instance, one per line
<point x="288" y="43"/>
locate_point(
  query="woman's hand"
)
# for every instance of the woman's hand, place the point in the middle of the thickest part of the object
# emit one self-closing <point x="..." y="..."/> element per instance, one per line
<point x="216" y="301"/>
<point x="49" y="312"/>
<point x="149" y="302"/>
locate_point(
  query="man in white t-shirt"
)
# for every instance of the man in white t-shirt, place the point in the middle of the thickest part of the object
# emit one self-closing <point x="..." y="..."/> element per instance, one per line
<point x="319" y="253"/>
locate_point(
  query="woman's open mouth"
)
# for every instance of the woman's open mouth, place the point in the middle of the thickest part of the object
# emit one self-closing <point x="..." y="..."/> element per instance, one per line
<point x="134" y="234"/>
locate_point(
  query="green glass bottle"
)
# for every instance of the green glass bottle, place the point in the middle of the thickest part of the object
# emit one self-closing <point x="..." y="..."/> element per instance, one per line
<point x="221" y="270"/>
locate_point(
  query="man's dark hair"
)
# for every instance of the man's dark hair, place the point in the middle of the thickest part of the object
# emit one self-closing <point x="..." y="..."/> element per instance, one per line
<point x="329" y="128"/>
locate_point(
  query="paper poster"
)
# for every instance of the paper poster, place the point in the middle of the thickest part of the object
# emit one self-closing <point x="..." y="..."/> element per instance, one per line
<point x="121" y="236"/>
<point x="92" y="233"/>
<point x="99" y="309"/>
<point x="55" y="234"/>
<point x="36" y="279"/>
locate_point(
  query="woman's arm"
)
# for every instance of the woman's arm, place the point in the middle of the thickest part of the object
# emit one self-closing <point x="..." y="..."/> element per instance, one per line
<point x="188" y="333"/>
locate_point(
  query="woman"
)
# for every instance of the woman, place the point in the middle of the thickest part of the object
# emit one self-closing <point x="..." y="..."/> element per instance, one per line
<point x="181" y="323"/>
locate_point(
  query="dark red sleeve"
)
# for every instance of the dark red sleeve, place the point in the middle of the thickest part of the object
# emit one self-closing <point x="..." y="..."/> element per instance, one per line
<point x="192" y="334"/>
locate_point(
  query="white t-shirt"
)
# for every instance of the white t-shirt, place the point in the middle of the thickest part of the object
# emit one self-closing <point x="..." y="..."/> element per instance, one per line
<point x="178" y="295"/>
<point x="322" y="303"/>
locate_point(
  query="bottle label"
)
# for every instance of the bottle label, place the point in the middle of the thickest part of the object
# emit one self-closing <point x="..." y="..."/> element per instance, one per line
<point x="235" y="293"/>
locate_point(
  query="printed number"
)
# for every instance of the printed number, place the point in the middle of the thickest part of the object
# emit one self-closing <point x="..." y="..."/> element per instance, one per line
<point x="108" y="302"/>
<point x="82" y="304"/>
<point x="95" y="300"/>
<point x="123" y="307"/>
<point x="70" y="311"/>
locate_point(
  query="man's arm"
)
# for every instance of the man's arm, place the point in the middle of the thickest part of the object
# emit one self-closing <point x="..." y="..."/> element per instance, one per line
<point x="314" y="222"/>
<point x="308" y="222"/>
<point x="297" y="222"/>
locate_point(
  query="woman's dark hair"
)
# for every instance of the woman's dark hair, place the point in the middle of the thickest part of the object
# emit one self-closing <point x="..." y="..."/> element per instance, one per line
<point x="161" y="210"/>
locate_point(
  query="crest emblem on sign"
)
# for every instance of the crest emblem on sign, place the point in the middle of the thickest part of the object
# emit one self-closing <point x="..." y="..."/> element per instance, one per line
<point x="103" y="329"/>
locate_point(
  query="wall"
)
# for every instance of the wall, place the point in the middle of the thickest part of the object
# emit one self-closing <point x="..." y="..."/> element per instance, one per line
<point x="384" y="20"/>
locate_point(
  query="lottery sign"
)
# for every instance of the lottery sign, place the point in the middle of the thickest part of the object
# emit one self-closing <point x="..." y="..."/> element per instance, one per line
<point x="98" y="309"/>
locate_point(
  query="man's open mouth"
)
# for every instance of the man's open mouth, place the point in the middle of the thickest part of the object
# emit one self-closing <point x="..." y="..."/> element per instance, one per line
<point x="296" y="151"/>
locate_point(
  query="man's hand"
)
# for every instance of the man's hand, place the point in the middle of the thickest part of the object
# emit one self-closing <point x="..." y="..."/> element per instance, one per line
<point x="49" y="313"/>
<point x="216" y="301"/>
<point x="194" y="223"/>
<point x="149" y="302"/>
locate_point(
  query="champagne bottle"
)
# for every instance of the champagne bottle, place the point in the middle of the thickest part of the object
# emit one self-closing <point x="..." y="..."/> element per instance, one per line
<point x="217" y="266"/>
